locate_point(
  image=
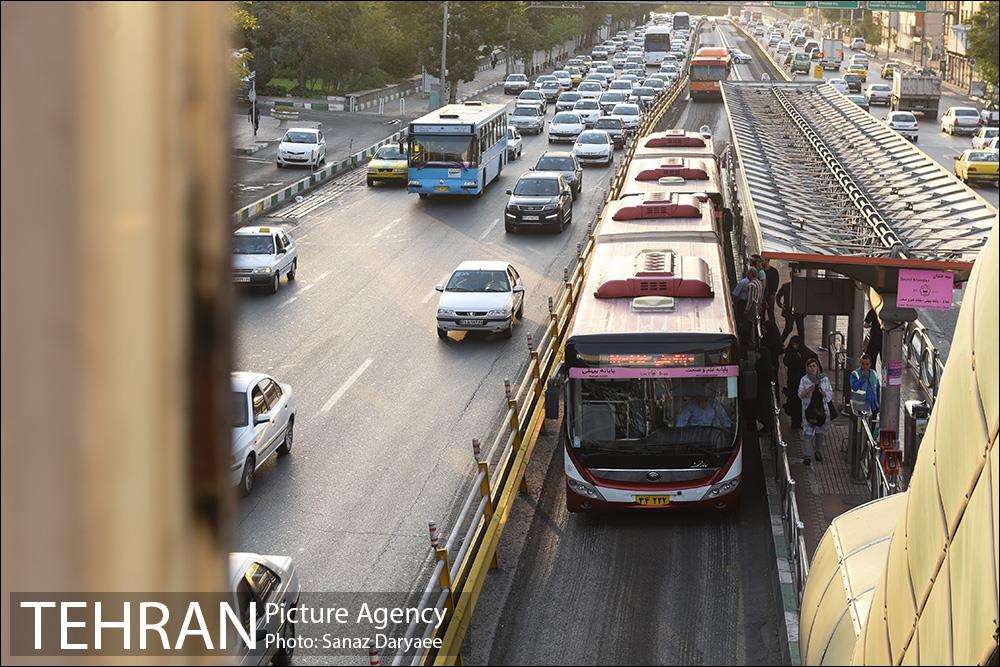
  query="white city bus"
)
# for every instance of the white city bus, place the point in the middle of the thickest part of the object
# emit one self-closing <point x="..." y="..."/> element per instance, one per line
<point x="657" y="44"/>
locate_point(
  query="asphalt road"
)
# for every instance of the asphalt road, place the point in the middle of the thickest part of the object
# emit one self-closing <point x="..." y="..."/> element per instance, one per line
<point x="386" y="410"/>
<point x="639" y="588"/>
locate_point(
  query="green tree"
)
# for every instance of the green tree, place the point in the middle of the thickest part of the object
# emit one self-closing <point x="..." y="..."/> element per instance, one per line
<point x="983" y="41"/>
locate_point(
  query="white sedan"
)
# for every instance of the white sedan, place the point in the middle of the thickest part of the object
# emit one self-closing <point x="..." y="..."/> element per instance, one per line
<point x="594" y="147"/>
<point x="263" y="424"/>
<point x="630" y="114"/>
<point x="480" y="296"/>
<point x="840" y="85"/>
<point x="590" y="90"/>
<point x="515" y="144"/>
<point x="589" y="110"/>
<point x="301" y="146"/>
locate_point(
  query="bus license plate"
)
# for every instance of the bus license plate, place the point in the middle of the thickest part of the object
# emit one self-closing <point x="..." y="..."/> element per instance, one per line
<point x="472" y="322"/>
<point x="531" y="217"/>
<point x="652" y="501"/>
<point x="442" y="188"/>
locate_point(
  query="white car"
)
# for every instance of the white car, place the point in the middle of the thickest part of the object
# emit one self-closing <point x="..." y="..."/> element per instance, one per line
<point x="594" y="77"/>
<point x="610" y="100"/>
<point x="268" y="580"/>
<point x="840" y="86"/>
<point x="567" y="100"/>
<point x="565" y="126"/>
<point x="527" y="119"/>
<point x="261" y="255"/>
<point x="515" y="145"/>
<point x="858" y="44"/>
<point x="963" y="120"/>
<point x="565" y="79"/>
<point x="622" y="86"/>
<point x="590" y="90"/>
<point x="301" y="146"/>
<point x="608" y="71"/>
<point x="480" y="296"/>
<point x="589" y="110"/>
<point x="532" y="98"/>
<point x="515" y="83"/>
<point x="619" y="60"/>
<point x="263" y="422"/>
<point x="879" y="93"/>
<point x="594" y="146"/>
<point x="630" y="115"/>
<point x="741" y="58"/>
<point x="984" y="136"/>
<point x="905" y="123"/>
<point x="540" y="81"/>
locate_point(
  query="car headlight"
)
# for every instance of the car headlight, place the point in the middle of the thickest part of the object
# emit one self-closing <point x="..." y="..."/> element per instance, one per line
<point x="584" y="489"/>
<point x="446" y="312"/>
<point x="500" y="312"/>
<point x="262" y="269"/>
<point x="722" y="488"/>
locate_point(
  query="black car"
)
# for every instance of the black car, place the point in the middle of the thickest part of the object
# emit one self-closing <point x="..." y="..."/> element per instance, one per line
<point x="566" y="164"/>
<point x="615" y="129"/>
<point x="853" y="82"/>
<point x="539" y="199"/>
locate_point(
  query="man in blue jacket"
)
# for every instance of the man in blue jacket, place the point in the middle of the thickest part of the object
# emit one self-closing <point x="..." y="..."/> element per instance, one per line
<point x="866" y="380"/>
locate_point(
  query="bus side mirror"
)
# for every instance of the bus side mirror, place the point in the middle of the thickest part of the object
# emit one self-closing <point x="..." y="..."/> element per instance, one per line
<point x="552" y="400"/>
<point x="748" y="384"/>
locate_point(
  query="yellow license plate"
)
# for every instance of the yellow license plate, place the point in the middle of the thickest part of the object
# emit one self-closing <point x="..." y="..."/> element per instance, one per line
<point x="652" y="501"/>
<point x="442" y="188"/>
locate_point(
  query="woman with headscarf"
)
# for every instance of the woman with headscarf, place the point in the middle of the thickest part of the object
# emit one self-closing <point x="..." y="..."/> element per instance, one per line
<point x="796" y="355"/>
<point x="815" y="392"/>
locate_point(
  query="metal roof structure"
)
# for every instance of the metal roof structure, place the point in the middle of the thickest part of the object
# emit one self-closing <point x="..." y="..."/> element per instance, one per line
<point x="827" y="184"/>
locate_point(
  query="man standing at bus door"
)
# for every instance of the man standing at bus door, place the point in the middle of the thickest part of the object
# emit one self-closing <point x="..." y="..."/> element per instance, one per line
<point x="771" y="282"/>
<point x="784" y="300"/>
<point x="874" y="347"/>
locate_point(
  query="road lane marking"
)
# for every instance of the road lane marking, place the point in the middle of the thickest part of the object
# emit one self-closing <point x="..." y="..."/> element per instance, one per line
<point x="313" y="283"/>
<point x="386" y="228"/>
<point x="489" y="229"/>
<point x="287" y="301"/>
<point x="347" y="385"/>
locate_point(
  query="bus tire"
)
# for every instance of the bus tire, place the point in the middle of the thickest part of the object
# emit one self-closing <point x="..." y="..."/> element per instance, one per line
<point x="423" y="195"/>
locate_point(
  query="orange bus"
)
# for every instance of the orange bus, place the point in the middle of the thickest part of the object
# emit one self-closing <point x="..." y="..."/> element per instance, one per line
<point x="709" y="67"/>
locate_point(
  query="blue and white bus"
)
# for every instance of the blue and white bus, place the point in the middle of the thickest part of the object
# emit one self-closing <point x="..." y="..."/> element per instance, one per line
<point x="457" y="149"/>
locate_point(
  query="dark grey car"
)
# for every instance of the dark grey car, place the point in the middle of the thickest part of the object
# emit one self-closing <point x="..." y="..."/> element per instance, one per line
<point x="566" y="164"/>
<point x="540" y="200"/>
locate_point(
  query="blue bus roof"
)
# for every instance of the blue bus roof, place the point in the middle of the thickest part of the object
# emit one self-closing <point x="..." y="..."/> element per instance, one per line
<point x="456" y="118"/>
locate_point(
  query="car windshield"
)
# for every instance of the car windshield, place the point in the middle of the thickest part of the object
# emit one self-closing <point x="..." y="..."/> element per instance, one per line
<point x="654" y="83"/>
<point x="972" y="113"/>
<point x="530" y="95"/>
<point x="608" y="98"/>
<point x="549" y="85"/>
<point x="253" y="245"/>
<point x="478" y="281"/>
<point x="857" y="99"/>
<point x="609" y="124"/>
<point x="390" y="153"/>
<point x="586" y="105"/>
<point x="982" y="156"/>
<point x="623" y="110"/>
<point x="593" y="138"/>
<point x="437" y="150"/>
<point x="537" y="187"/>
<point x="566" y="118"/>
<point x="644" y="92"/>
<point x="241" y="415"/>
<point x="292" y="137"/>
<point x="569" y="97"/>
<point x="555" y="164"/>
<point x="621" y="85"/>
<point x="511" y="134"/>
<point x="632" y="423"/>
<point x="880" y="88"/>
<point x="531" y="112"/>
<point x="517" y="77"/>
<point x="590" y="86"/>
<point x="903" y="118"/>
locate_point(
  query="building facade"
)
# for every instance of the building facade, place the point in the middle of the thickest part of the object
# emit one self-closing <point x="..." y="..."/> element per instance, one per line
<point x="958" y="67"/>
<point x="918" y="37"/>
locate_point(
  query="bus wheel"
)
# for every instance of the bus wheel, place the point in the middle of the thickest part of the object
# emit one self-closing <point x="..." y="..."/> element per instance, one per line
<point x="423" y="195"/>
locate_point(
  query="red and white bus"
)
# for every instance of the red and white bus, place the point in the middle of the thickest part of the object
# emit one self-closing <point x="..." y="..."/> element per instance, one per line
<point x="650" y="380"/>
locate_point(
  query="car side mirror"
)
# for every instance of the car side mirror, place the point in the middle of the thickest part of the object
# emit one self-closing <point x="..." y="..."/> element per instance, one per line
<point x="510" y="192"/>
<point x="553" y="391"/>
<point x="439" y="287"/>
<point x="282" y="251"/>
<point x="261" y="419"/>
<point x="518" y="289"/>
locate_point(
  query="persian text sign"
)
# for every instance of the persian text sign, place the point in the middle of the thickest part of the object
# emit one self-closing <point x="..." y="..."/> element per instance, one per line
<point x="617" y="373"/>
<point x="925" y="289"/>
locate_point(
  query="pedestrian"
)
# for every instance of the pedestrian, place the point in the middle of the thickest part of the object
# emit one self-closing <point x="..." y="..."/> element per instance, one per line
<point x="755" y="295"/>
<point x="740" y="295"/>
<point x="796" y="355"/>
<point x="874" y="326"/>
<point x="771" y="343"/>
<point x="493" y="61"/>
<point x="784" y="300"/>
<point x="771" y="282"/>
<point x="815" y="392"/>
<point x="864" y="379"/>
<point x="764" y="403"/>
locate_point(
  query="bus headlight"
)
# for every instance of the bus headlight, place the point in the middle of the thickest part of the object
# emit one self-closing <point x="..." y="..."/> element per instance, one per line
<point x="584" y="489"/>
<point x="722" y="488"/>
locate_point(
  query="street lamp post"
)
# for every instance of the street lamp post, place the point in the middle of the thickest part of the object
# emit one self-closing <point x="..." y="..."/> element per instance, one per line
<point x="444" y="55"/>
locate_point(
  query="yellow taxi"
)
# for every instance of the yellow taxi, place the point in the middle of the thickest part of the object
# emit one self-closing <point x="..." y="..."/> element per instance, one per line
<point x="388" y="164"/>
<point x="977" y="165"/>
<point x="861" y="72"/>
<point x="889" y="68"/>
<point x="575" y="74"/>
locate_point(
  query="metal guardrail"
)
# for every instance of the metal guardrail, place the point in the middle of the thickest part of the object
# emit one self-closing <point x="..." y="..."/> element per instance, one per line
<point x="470" y="551"/>
<point x="790" y="516"/>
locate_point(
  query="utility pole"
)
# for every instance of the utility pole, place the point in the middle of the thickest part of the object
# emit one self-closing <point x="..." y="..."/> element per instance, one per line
<point x="444" y="55"/>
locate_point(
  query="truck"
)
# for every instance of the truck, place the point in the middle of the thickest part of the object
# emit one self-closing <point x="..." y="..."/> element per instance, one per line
<point x="832" y="54"/>
<point x="915" y="92"/>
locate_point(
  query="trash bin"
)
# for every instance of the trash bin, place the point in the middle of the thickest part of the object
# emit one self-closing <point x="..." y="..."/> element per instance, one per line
<point x="916" y="415"/>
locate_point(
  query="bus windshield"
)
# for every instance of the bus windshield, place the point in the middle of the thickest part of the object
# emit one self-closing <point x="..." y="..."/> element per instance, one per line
<point x="443" y="151"/>
<point x="708" y="72"/>
<point x="653" y="422"/>
<point x="657" y="42"/>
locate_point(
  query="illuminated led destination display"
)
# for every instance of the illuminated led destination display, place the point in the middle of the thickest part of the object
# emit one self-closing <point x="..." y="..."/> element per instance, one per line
<point x="643" y="360"/>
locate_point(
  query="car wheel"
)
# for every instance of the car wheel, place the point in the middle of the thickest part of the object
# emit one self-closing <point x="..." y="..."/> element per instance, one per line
<point x="275" y="282"/>
<point x="520" y="311"/>
<point x="370" y="181"/>
<point x="284" y="655"/>
<point x="291" y="271"/>
<point x="442" y="334"/>
<point x="423" y="195"/>
<point x="509" y="331"/>
<point x="279" y="165"/>
<point x="285" y="448"/>
<point x="246" y="482"/>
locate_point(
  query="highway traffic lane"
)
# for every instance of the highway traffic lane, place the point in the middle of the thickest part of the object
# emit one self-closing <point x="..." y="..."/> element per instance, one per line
<point x="366" y="451"/>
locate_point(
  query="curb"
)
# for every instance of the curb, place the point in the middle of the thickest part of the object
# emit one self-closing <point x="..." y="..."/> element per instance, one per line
<point x="250" y="150"/>
<point x="246" y="213"/>
<point x="789" y="601"/>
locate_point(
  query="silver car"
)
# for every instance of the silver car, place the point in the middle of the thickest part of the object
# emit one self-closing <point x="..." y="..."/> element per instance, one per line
<point x="480" y="296"/>
<point x="527" y="119"/>
<point x="263" y="424"/>
<point x="264" y="580"/>
<point x="879" y="93"/>
<point x="261" y="255"/>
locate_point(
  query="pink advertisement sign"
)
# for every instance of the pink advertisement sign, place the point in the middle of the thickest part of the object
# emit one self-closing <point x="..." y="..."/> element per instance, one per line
<point x="620" y="373"/>
<point x="925" y="289"/>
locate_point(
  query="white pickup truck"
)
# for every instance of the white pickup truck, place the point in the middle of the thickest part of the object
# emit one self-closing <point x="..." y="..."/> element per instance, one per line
<point x="832" y="52"/>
